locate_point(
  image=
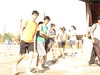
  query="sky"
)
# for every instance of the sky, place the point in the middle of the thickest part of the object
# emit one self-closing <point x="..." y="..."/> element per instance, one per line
<point x="62" y="13"/>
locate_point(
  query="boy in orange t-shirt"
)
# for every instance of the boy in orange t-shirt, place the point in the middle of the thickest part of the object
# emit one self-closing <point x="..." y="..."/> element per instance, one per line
<point x="28" y="33"/>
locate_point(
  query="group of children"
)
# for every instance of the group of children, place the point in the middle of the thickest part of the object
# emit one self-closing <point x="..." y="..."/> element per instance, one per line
<point x="45" y="40"/>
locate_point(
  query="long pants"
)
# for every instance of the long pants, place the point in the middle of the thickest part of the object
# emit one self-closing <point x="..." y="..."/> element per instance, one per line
<point x="95" y="50"/>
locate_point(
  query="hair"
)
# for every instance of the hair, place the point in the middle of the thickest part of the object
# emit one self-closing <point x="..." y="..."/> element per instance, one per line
<point x="61" y="29"/>
<point x="73" y="27"/>
<point x="47" y="17"/>
<point x="40" y="23"/>
<point x="52" y="24"/>
<point x="64" y="29"/>
<point x="98" y="18"/>
<point x="35" y="12"/>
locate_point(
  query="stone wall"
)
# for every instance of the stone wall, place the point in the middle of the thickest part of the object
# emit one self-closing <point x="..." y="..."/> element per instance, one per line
<point x="13" y="50"/>
<point x="9" y="50"/>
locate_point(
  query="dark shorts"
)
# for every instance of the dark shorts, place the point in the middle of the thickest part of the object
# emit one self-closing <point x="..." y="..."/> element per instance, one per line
<point x="63" y="43"/>
<point x="72" y="42"/>
<point x="52" y="42"/>
<point x="59" y="44"/>
<point x="46" y="45"/>
<point x="49" y="43"/>
<point x="26" y="47"/>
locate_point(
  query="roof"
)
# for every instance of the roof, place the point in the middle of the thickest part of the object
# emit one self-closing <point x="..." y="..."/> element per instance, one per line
<point x="90" y="0"/>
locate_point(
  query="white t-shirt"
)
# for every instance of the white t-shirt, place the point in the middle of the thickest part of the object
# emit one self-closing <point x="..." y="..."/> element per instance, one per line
<point x="72" y="35"/>
<point x="96" y="33"/>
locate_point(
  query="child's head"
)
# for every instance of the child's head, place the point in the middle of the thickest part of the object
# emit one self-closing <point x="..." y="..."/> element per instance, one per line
<point x="53" y="26"/>
<point x="64" y="29"/>
<point x="73" y="27"/>
<point x="35" y="14"/>
<point x="60" y="29"/>
<point x="46" y="20"/>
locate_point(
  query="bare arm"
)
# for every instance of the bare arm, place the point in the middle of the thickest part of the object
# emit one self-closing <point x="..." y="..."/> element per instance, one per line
<point x="24" y="25"/>
<point x="43" y="35"/>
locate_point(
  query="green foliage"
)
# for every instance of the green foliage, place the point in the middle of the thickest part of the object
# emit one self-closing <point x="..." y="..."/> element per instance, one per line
<point x="8" y="36"/>
<point x="1" y="38"/>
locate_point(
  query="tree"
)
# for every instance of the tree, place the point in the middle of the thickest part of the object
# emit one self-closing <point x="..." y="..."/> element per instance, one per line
<point x="8" y="36"/>
<point x="1" y="38"/>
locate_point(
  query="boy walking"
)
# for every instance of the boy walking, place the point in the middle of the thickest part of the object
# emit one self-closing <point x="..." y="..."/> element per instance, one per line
<point x="41" y="39"/>
<point x="28" y="33"/>
<point x="95" y="31"/>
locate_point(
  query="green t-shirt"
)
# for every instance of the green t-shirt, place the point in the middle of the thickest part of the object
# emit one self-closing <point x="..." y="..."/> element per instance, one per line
<point x="43" y="29"/>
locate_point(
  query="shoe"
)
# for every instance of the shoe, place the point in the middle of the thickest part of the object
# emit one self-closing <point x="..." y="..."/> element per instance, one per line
<point x="53" y="61"/>
<point x="98" y="63"/>
<point x="90" y="63"/>
<point x="60" y="56"/>
<point x="39" y="68"/>
<point x="36" y="70"/>
<point x="63" y="57"/>
<point x="45" y="65"/>
<point x="14" y="69"/>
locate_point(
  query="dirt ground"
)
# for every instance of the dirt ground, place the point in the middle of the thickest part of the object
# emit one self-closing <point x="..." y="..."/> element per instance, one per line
<point x="71" y="65"/>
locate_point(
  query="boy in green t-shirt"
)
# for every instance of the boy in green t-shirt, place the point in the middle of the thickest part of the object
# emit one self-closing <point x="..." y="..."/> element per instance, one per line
<point x="41" y="39"/>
